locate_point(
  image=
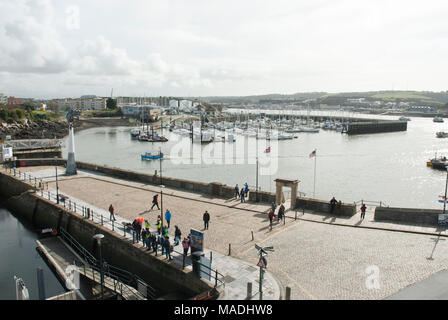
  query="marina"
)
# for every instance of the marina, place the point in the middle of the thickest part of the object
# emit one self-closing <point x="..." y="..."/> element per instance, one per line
<point x="376" y="166"/>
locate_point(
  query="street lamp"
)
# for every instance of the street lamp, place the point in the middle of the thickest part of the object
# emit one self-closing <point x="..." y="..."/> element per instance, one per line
<point x="446" y="185"/>
<point x="57" y="187"/>
<point x="98" y="238"/>
<point x="161" y="203"/>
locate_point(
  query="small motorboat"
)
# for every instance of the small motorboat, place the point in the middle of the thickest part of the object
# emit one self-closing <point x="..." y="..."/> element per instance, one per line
<point x="149" y="156"/>
<point x="442" y="134"/>
<point x="438" y="163"/>
<point x="437" y="119"/>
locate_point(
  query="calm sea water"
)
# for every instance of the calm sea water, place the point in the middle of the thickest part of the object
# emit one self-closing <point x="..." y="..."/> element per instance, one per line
<point x="20" y="258"/>
<point x="387" y="167"/>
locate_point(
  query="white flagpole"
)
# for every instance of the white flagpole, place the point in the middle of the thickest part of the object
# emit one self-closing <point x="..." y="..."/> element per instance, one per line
<point x="314" y="188"/>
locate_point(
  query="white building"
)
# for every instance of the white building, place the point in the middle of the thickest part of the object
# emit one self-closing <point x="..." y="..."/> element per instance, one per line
<point x="83" y="104"/>
<point x="3" y="98"/>
<point x="137" y="110"/>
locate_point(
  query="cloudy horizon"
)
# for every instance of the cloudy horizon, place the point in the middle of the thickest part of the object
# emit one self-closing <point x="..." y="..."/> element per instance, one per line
<point x="53" y="49"/>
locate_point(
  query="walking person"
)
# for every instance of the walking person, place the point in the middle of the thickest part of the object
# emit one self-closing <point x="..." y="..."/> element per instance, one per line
<point x="168" y="217"/>
<point x="237" y="191"/>
<point x="111" y="211"/>
<point x="168" y="248"/>
<point x="143" y="234"/>
<point x="177" y="235"/>
<point x="281" y="212"/>
<point x="137" y="229"/>
<point x="333" y="202"/>
<point x="206" y="219"/>
<point x="185" y="246"/>
<point x="147" y="225"/>
<point x="363" y="211"/>
<point x="271" y="217"/>
<point x="154" y="242"/>
<point x="159" y="225"/>
<point x="155" y="201"/>
<point x="246" y="189"/>
<point x="242" y="195"/>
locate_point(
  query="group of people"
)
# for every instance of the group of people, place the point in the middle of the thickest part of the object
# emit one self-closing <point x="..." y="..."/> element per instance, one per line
<point x="242" y="194"/>
<point x="334" y="202"/>
<point x="280" y="213"/>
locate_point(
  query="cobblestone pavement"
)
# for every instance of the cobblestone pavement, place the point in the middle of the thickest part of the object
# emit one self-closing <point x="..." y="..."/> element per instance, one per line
<point x="319" y="257"/>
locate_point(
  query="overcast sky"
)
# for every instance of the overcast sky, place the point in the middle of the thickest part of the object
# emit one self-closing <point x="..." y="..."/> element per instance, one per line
<point x="201" y="47"/>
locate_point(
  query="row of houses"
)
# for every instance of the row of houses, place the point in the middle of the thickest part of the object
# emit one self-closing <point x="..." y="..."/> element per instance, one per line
<point x="5" y="100"/>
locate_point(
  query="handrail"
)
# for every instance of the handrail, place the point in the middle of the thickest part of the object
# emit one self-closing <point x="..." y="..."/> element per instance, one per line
<point x="86" y="212"/>
<point x="371" y="202"/>
<point x="114" y="272"/>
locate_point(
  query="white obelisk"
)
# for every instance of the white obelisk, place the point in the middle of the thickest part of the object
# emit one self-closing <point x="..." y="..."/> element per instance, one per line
<point x="71" y="164"/>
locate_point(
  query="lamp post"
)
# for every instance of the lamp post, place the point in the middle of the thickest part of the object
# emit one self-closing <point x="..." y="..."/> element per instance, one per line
<point x="98" y="238"/>
<point x="446" y="185"/>
<point x="161" y="203"/>
<point x="57" y="186"/>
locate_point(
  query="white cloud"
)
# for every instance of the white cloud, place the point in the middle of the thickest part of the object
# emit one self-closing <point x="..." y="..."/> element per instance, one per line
<point x="222" y="48"/>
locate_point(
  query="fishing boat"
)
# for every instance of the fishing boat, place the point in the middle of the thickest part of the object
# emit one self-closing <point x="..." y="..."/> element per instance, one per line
<point x="437" y="119"/>
<point x="149" y="156"/>
<point x="135" y="133"/>
<point x="438" y="163"/>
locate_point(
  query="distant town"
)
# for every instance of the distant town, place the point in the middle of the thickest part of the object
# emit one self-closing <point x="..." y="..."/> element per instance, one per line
<point x="424" y="103"/>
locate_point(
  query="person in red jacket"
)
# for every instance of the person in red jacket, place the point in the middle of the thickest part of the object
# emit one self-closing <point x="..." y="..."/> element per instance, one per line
<point x="271" y="217"/>
<point x="111" y="211"/>
<point x="363" y="210"/>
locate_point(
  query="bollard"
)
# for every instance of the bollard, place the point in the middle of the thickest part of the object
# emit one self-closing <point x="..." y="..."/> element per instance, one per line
<point x="249" y="291"/>
<point x="48" y="195"/>
<point x="252" y="235"/>
<point x="288" y="293"/>
<point x="75" y="206"/>
<point x="113" y="224"/>
<point x="70" y="204"/>
<point x="92" y="215"/>
<point x="229" y="249"/>
<point x="295" y="218"/>
<point x="101" y="219"/>
<point x="284" y="219"/>
<point x="303" y="211"/>
<point x="124" y="231"/>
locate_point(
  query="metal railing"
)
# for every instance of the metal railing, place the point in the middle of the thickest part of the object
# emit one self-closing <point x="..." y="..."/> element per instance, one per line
<point x="371" y="203"/>
<point x="122" y="277"/>
<point x="87" y="212"/>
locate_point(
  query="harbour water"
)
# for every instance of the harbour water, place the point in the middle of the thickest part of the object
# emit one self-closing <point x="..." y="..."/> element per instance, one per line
<point x="386" y="167"/>
<point x="20" y="258"/>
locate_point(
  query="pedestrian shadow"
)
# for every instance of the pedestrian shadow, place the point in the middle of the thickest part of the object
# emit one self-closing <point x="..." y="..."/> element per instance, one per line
<point x="358" y="223"/>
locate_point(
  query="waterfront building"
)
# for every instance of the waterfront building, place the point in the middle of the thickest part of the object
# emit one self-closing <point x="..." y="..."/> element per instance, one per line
<point x="14" y="100"/>
<point x="3" y="99"/>
<point x="82" y="103"/>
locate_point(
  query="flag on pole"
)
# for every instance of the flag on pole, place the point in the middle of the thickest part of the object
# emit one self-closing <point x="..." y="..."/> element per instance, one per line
<point x="313" y="154"/>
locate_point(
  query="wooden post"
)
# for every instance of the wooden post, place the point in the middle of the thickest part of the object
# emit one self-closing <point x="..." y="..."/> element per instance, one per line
<point x="230" y="246"/>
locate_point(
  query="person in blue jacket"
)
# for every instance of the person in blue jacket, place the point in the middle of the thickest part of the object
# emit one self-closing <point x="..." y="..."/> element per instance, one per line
<point x="168" y="217"/>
